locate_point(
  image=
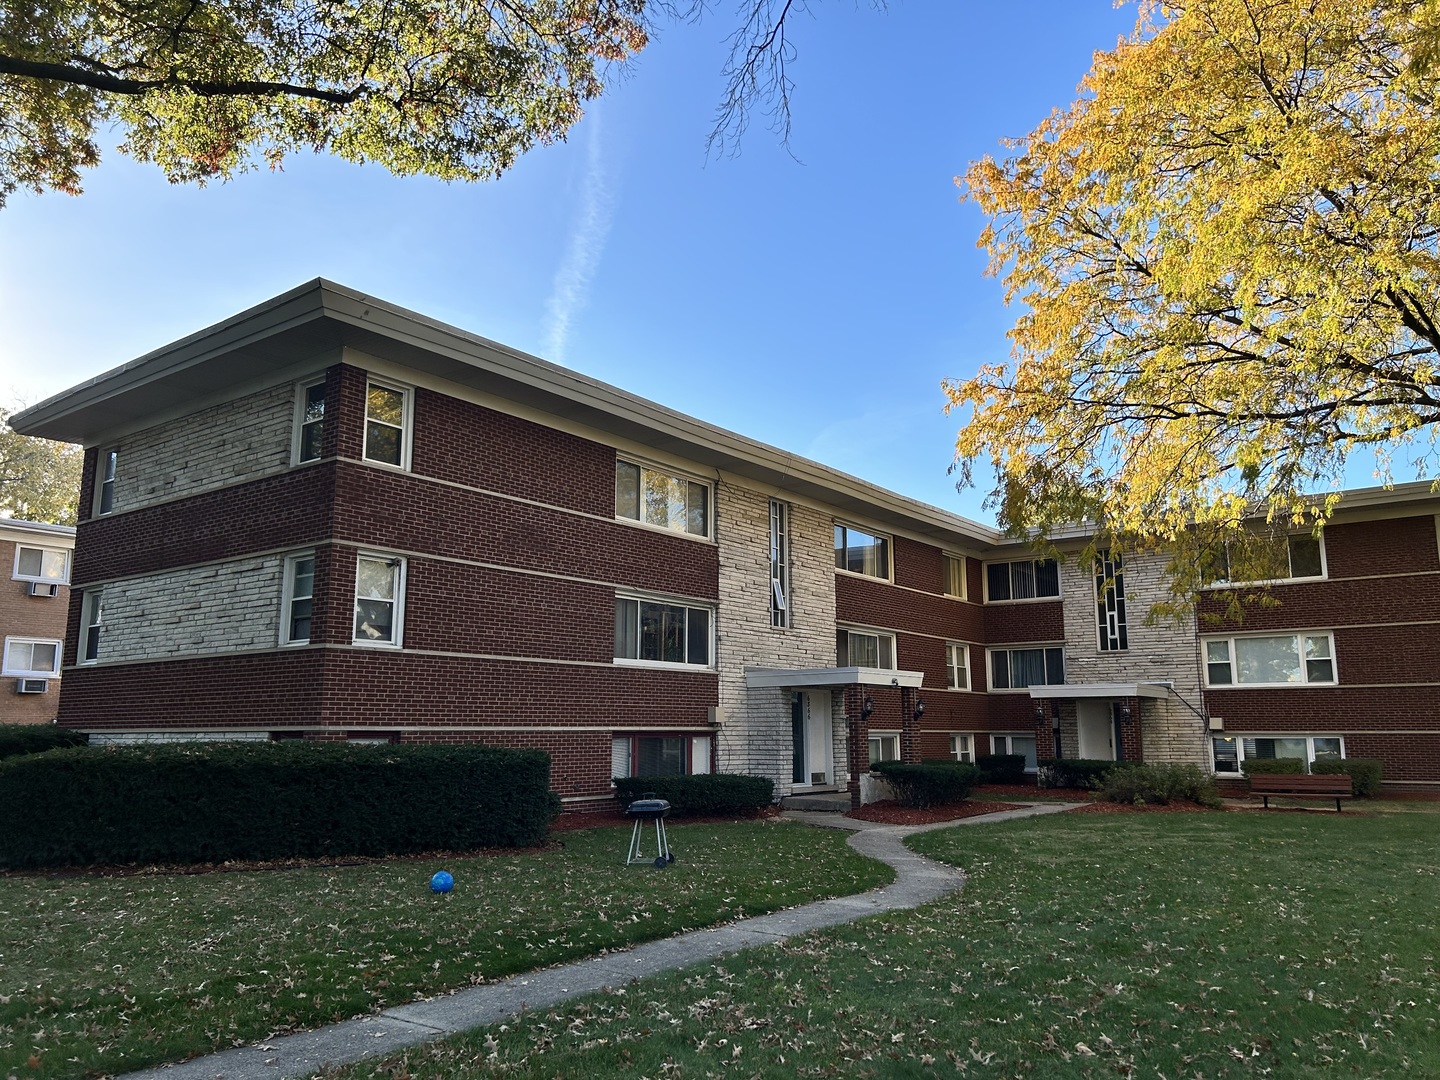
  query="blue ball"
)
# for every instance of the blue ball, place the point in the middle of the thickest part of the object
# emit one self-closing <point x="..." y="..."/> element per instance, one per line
<point x="441" y="882"/>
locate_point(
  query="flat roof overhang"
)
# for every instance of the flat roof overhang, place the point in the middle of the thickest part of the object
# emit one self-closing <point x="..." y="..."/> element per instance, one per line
<point x="1104" y="690"/>
<point x="275" y="339"/>
<point x="817" y="678"/>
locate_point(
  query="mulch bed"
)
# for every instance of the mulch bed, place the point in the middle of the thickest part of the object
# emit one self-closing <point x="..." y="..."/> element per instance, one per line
<point x="1030" y="791"/>
<point x="1147" y="808"/>
<point x="890" y="812"/>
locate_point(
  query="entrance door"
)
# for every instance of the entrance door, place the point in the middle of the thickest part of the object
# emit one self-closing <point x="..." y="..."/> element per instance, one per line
<point x="811" y="739"/>
<point x="1096" y="732"/>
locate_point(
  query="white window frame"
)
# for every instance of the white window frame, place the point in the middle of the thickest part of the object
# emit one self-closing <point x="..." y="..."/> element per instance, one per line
<point x="962" y="747"/>
<point x="1299" y="635"/>
<point x="1324" y="574"/>
<point x="407" y="421"/>
<point x="696" y="750"/>
<point x="92" y="617"/>
<point x="1047" y="598"/>
<point x="957" y="650"/>
<point x="1110" y="603"/>
<point x="108" y="462"/>
<point x="1007" y="740"/>
<point x="398" y="566"/>
<point x="671" y="601"/>
<point x="870" y="631"/>
<point x="946" y="558"/>
<point x="63" y="579"/>
<point x="297" y="442"/>
<point x="889" y="575"/>
<point x="889" y="739"/>
<point x="1007" y="649"/>
<point x="779" y="564"/>
<point x="1240" y="749"/>
<point x="673" y="474"/>
<point x="10" y="667"/>
<point x="288" y="597"/>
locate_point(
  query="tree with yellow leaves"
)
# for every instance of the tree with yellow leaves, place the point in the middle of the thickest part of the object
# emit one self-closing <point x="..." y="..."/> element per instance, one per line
<point x="1225" y="255"/>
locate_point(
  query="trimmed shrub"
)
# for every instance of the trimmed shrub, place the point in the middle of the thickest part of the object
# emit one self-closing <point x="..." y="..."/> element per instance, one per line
<point x="211" y="802"/>
<point x="1086" y="773"/>
<point x="938" y="783"/>
<point x="1002" y="769"/>
<point x="17" y="739"/>
<point x="1365" y="773"/>
<point x="1160" y="784"/>
<point x="1279" y="766"/>
<point x="701" y="793"/>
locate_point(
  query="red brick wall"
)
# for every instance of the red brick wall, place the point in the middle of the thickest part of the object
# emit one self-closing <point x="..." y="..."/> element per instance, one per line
<point x="1040" y="620"/>
<point x="26" y="616"/>
<point x="876" y="603"/>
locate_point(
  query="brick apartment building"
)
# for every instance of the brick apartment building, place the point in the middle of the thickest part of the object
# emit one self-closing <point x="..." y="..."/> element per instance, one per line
<point x="33" y="605"/>
<point x="328" y="517"/>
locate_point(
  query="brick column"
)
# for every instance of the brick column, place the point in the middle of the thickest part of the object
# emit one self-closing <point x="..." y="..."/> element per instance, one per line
<point x="1131" y="746"/>
<point x="857" y="741"/>
<point x="909" y="726"/>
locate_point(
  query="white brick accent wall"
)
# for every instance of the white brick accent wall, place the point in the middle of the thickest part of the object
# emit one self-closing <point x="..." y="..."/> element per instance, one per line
<point x="236" y="441"/>
<point x="221" y="608"/>
<point x="756" y="735"/>
<point x="1161" y="652"/>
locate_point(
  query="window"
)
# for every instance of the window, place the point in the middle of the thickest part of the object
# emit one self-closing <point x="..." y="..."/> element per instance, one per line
<point x="379" y="599"/>
<point x="1027" y="579"/>
<point x="32" y="657"/>
<point x="1015" y="669"/>
<point x="659" y="755"/>
<point x="299" y="599"/>
<point x="387" y="423"/>
<point x="957" y="666"/>
<point x="49" y="566"/>
<point x="861" y="552"/>
<point x="1284" y="659"/>
<point x="1266" y="558"/>
<point x="962" y="748"/>
<point x="884" y="746"/>
<point x="105" y="469"/>
<point x="955" y="576"/>
<point x="311" y="430"/>
<point x="1110" y="600"/>
<point x="1232" y="752"/>
<point x="779" y="564"/>
<point x="1023" y="745"/>
<point x="661" y="499"/>
<point x="864" y="648"/>
<point x="655" y="632"/>
<point x="90" y="626"/>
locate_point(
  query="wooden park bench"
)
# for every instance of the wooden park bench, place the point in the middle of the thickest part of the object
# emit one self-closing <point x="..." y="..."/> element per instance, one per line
<point x="1337" y="787"/>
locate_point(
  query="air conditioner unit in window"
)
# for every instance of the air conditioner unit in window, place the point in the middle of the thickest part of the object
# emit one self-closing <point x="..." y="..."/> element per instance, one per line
<point x="31" y="686"/>
<point x="44" y="588"/>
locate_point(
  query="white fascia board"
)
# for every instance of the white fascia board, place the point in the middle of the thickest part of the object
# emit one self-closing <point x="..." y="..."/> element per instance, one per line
<point x="816" y="678"/>
<point x="1102" y="690"/>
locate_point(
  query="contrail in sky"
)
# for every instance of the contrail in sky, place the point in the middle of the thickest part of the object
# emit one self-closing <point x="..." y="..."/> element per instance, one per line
<point x="571" y="288"/>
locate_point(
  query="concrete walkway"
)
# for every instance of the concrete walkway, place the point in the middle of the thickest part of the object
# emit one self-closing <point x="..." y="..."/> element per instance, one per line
<point x="918" y="881"/>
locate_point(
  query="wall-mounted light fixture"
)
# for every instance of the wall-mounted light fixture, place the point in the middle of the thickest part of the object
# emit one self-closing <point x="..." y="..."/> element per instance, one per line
<point x="1039" y="712"/>
<point x="867" y="707"/>
<point x="919" y="709"/>
<point x="1124" y="711"/>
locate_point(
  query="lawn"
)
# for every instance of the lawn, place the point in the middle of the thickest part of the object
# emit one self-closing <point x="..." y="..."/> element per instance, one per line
<point x="1165" y="945"/>
<point x="106" y="974"/>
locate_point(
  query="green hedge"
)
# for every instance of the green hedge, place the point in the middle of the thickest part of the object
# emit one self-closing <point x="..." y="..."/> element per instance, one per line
<point x="1278" y="766"/>
<point x="930" y="784"/>
<point x="702" y="793"/>
<point x="17" y="739"/>
<point x="210" y="802"/>
<point x="1087" y="773"/>
<point x="1365" y="773"/>
<point x="1002" y="769"/>
<point x="1160" y="784"/>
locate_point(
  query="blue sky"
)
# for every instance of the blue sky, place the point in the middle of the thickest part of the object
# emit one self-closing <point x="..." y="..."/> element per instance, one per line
<point x="815" y="305"/>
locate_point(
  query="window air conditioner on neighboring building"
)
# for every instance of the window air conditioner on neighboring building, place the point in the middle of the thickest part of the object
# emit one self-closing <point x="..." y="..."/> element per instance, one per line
<point x="31" y="686"/>
<point x="44" y="588"/>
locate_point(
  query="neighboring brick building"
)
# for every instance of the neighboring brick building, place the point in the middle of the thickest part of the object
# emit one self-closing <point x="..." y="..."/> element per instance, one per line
<point x="33" y="604"/>
<point x="331" y="518"/>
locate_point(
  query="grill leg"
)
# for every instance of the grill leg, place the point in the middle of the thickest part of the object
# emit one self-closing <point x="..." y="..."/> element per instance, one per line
<point x="634" y="855"/>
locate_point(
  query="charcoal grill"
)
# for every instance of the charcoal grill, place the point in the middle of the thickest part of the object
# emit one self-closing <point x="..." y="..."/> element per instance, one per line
<point x="642" y="810"/>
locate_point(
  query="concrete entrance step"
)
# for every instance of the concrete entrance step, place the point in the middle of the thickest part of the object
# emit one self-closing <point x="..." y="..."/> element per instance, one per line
<point x="825" y="802"/>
